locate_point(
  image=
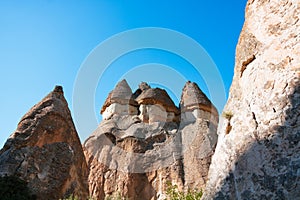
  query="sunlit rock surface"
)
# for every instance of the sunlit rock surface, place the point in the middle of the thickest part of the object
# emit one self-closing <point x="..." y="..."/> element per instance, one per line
<point x="258" y="150"/>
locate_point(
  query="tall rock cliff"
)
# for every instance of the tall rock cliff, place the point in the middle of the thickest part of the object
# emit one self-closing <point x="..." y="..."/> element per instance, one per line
<point x="45" y="151"/>
<point x="145" y="141"/>
<point x="258" y="150"/>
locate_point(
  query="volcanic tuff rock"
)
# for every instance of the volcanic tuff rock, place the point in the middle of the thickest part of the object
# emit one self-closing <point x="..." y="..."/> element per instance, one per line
<point x="258" y="151"/>
<point x="156" y="105"/>
<point x="199" y="121"/>
<point x="119" y="101"/>
<point x="137" y="154"/>
<point x="45" y="151"/>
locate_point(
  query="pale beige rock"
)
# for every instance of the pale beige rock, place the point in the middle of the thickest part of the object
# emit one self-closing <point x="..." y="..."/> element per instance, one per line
<point x="155" y="113"/>
<point x="155" y="105"/>
<point x="257" y="155"/>
<point x="192" y="115"/>
<point x="119" y="109"/>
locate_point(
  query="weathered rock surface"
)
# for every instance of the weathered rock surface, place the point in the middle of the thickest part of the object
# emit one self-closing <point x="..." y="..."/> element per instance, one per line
<point x="45" y="151"/>
<point x="258" y="151"/>
<point x="136" y="155"/>
<point x="199" y="122"/>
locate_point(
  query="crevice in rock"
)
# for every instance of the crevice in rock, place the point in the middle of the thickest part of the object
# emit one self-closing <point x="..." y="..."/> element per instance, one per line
<point x="255" y="131"/>
<point x="181" y="170"/>
<point x="254" y="118"/>
<point x="228" y="128"/>
<point x="246" y="63"/>
<point x="111" y="137"/>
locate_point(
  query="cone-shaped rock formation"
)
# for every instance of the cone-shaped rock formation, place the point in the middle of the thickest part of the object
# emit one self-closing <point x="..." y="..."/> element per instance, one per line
<point x="120" y="100"/>
<point x="193" y="98"/>
<point x="45" y="151"/>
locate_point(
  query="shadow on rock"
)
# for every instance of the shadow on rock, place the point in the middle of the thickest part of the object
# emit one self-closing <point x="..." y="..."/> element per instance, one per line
<point x="270" y="167"/>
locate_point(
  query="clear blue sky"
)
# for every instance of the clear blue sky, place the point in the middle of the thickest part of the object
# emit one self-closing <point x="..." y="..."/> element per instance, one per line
<point x="44" y="43"/>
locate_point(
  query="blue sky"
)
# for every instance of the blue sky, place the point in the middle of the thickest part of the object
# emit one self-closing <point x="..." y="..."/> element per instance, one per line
<point x="44" y="43"/>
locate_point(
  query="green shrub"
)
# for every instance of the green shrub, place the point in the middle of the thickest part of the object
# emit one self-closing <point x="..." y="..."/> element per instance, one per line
<point x="116" y="196"/>
<point x="174" y="194"/>
<point x="12" y="187"/>
<point x="227" y="115"/>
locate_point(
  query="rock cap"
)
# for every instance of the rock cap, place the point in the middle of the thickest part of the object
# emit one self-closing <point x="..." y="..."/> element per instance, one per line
<point x="192" y="98"/>
<point x="121" y="94"/>
<point x="159" y="96"/>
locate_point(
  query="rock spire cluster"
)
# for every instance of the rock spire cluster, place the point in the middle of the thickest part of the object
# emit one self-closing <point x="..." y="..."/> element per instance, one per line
<point x="145" y="141"/>
<point x="136" y="151"/>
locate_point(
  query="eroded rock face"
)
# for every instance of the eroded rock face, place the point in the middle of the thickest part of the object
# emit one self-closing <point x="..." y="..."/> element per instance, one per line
<point x="258" y="151"/>
<point x="198" y="127"/>
<point x="136" y="155"/>
<point x="45" y="151"/>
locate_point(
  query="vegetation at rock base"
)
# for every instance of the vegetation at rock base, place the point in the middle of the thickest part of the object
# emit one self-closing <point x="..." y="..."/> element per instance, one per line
<point x="174" y="194"/>
<point x="116" y="196"/>
<point x="12" y="187"/>
<point x="74" y="197"/>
